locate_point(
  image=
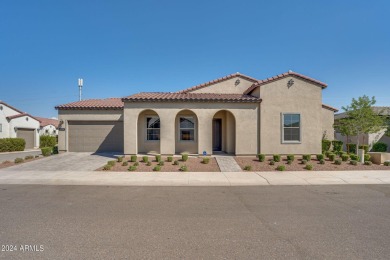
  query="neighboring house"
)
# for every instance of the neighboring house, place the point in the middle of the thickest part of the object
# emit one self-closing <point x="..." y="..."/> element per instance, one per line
<point x="48" y="126"/>
<point x="382" y="136"/>
<point x="15" y="123"/>
<point x="236" y="114"/>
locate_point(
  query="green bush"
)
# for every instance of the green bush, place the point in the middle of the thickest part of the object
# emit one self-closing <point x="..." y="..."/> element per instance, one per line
<point x="289" y="162"/>
<point x="369" y="163"/>
<point x="367" y="157"/>
<point x="337" y="162"/>
<point x="337" y="145"/>
<point x="12" y="144"/>
<point x="309" y="167"/>
<point x="184" y="157"/>
<point x="379" y="147"/>
<point x="304" y="161"/>
<point x="18" y="160"/>
<point x="169" y="158"/>
<point x="320" y="157"/>
<point x="145" y="159"/>
<point x="55" y="149"/>
<point x="344" y="157"/>
<point x="112" y="163"/>
<point x="46" y="151"/>
<point x="277" y="157"/>
<point x="157" y="168"/>
<point x="125" y="164"/>
<point x="47" y="141"/>
<point x="332" y="157"/>
<point x="290" y="157"/>
<point x="261" y="157"/>
<point x="133" y="158"/>
<point x="136" y="164"/>
<point x="176" y="162"/>
<point x="158" y="158"/>
<point x="281" y="168"/>
<point x="119" y="159"/>
<point x="29" y="157"/>
<point x="351" y="148"/>
<point x="184" y="168"/>
<point x="148" y="164"/>
<point x="247" y="167"/>
<point x="107" y="167"/>
<point x="354" y="157"/>
<point x="322" y="161"/>
<point x="161" y="163"/>
<point x="306" y="157"/>
<point x="132" y="168"/>
<point x="364" y="147"/>
<point x="206" y="160"/>
<point x="272" y="162"/>
<point x="353" y="162"/>
<point x="387" y="163"/>
<point x="326" y="145"/>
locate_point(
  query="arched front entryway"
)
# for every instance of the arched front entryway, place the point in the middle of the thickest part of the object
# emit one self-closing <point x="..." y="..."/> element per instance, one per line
<point x="186" y="132"/>
<point x="224" y="132"/>
<point x="148" y="132"/>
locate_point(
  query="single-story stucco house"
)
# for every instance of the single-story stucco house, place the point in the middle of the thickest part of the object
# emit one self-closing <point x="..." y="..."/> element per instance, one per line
<point x="235" y="114"/>
<point x="48" y="126"/>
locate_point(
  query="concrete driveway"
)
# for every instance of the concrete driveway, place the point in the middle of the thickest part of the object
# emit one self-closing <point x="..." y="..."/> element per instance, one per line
<point x="65" y="162"/>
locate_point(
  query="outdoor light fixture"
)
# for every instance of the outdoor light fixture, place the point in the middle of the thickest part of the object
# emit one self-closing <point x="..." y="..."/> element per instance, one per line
<point x="26" y="118"/>
<point x="237" y="82"/>
<point x="290" y="83"/>
<point x="16" y="129"/>
<point x="1" y="107"/>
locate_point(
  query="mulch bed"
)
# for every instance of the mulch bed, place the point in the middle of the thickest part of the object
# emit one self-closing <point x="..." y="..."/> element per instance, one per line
<point x="6" y="164"/>
<point x="194" y="164"/>
<point x="298" y="166"/>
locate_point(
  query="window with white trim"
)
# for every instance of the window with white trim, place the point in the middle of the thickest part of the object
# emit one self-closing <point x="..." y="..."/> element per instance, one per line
<point x="152" y="128"/>
<point x="187" y="129"/>
<point x="291" y="128"/>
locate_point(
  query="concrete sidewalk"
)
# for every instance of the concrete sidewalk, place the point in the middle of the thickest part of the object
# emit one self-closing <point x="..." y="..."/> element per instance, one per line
<point x="192" y="178"/>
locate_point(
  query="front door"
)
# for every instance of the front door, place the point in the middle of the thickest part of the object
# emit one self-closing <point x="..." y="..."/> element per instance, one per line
<point x="217" y="134"/>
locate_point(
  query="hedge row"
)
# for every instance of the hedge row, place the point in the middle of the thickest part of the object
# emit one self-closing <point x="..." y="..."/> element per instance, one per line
<point x="12" y="144"/>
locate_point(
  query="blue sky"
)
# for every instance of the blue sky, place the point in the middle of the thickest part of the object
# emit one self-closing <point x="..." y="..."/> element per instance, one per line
<point x="124" y="47"/>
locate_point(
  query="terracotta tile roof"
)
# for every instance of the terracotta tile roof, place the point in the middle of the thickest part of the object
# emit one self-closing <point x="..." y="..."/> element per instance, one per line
<point x="48" y="121"/>
<point x="199" y="97"/>
<point x="108" y="103"/>
<point x="330" y="108"/>
<point x="217" y="81"/>
<point x="283" y="75"/>
<point x="20" y="115"/>
<point x="17" y="110"/>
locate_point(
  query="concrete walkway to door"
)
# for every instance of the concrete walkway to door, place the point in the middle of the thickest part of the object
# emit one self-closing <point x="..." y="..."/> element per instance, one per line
<point x="227" y="163"/>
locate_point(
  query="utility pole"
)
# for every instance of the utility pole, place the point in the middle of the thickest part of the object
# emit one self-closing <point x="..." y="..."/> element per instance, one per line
<point x="80" y="87"/>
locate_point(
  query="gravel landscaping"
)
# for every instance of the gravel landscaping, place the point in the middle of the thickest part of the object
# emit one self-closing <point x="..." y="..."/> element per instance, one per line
<point x="194" y="164"/>
<point x="297" y="165"/>
<point x="6" y="164"/>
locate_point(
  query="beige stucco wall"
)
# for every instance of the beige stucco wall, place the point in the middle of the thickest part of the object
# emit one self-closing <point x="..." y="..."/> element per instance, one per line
<point x="327" y="124"/>
<point x="303" y="98"/>
<point x="246" y="134"/>
<point x="227" y="87"/>
<point x="84" y="115"/>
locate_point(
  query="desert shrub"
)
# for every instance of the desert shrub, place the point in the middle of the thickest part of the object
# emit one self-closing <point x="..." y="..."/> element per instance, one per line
<point x="112" y="163"/>
<point x="306" y="157"/>
<point x="18" y="160"/>
<point x="206" y="160"/>
<point x="46" y="151"/>
<point x="337" y="145"/>
<point x="320" y="157"/>
<point x="337" y="161"/>
<point x="107" y="167"/>
<point x="364" y="147"/>
<point x="368" y="163"/>
<point x="272" y="162"/>
<point x="184" y="168"/>
<point x="55" y="149"/>
<point x="136" y="164"/>
<point x="247" y="167"/>
<point x="328" y="153"/>
<point x="169" y="158"/>
<point x="353" y="162"/>
<point x="125" y="163"/>
<point x="277" y="157"/>
<point x="332" y="157"/>
<point x="36" y="156"/>
<point x="387" y="163"/>
<point x="12" y="144"/>
<point x="157" y="168"/>
<point x="158" y="158"/>
<point x="351" y="148"/>
<point x="29" y="157"/>
<point x="145" y="159"/>
<point x="290" y="157"/>
<point x="326" y="145"/>
<point x="184" y="157"/>
<point x="119" y="159"/>
<point x="304" y="162"/>
<point x="148" y="164"/>
<point x="47" y="141"/>
<point x="289" y="162"/>
<point x="133" y="158"/>
<point x="281" y="168"/>
<point x="309" y="167"/>
<point x="261" y="157"/>
<point x="379" y="147"/>
<point x="132" y="168"/>
<point x="176" y="162"/>
<point x="354" y="157"/>
<point x="161" y="163"/>
<point x="344" y="157"/>
<point x="322" y="161"/>
<point x="367" y="157"/>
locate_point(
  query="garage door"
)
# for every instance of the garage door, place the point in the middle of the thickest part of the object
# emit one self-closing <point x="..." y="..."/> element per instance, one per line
<point x="95" y="136"/>
<point x="27" y="135"/>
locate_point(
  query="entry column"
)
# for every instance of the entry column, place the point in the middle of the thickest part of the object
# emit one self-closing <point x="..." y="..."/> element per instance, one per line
<point x="167" y="131"/>
<point x="205" y="133"/>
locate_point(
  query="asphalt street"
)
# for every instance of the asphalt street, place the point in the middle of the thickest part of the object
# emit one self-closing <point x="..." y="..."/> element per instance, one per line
<point x="262" y="222"/>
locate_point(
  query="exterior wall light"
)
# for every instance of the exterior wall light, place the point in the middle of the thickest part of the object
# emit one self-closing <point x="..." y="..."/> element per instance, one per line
<point x="26" y="118"/>
<point x="237" y="82"/>
<point x="290" y="83"/>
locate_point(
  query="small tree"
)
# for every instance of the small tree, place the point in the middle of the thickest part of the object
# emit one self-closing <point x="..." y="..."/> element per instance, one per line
<point x="361" y="118"/>
<point x="345" y="127"/>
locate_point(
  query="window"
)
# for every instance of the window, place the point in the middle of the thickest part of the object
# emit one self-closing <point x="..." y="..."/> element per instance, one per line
<point x="187" y="129"/>
<point x="1" y="128"/>
<point x="153" y="128"/>
<point x="291" y="128"/>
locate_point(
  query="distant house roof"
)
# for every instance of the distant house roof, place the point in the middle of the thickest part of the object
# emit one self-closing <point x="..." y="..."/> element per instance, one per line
<point x="17" y="110"/>
<point x="21" y="115"/>
<point x="48" y="121"/>
<point x="384" y="111"/>
<point x="195" y="97"/>
<point x="330" y="108"/>
<point x="108" y="103"/>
